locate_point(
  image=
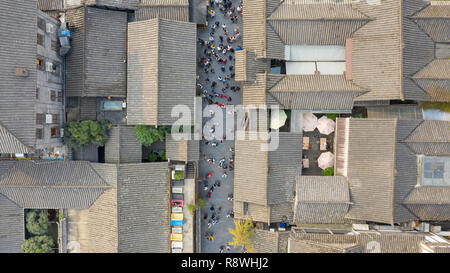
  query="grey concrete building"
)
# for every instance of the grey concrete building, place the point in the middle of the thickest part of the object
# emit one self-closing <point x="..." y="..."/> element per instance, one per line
<point x="49" y="92"/>
<point x="31" y="109"/>
<point x="109" y="207"/>
<point x="394" y="51"/>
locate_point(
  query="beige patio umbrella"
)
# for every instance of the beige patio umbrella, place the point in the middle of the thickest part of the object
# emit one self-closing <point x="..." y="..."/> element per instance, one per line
<point x="277" y="119"/>
<point x="326" y="160"/>
<point x="309" y="122"/>
<point x="325" y="125"/>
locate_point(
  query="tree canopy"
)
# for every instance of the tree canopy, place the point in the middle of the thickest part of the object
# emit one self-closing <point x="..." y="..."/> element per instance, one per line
<point x="328" y="171"/>
<point x="242" y="233"/>
<point x="37" y="222"/>
<point x="38" y="244"/>
<point x="79" y="134"/>
<point x="148" y="134"/>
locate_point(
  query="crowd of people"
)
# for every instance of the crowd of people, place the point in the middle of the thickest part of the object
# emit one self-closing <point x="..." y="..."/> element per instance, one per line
<point x="216" y="83"/>
<point x="219" y="49"/>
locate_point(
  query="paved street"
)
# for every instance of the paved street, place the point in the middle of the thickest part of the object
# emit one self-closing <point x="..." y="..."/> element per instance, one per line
<point x="219" y="194"/>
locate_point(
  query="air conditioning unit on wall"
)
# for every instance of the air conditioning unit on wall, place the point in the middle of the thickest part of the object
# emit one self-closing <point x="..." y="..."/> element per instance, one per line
<point x="50" y="28"/>
<point x="49" y="67"/>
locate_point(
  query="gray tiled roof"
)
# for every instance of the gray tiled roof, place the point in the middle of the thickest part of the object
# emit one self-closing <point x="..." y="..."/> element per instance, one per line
<point x="10" y="144"/>
<point x="133" y="216"/>
<point x="437" y="89"/>
<point x="88" y="108"/>
<point x="103" y="223"/>
<point x="269" y="25"/>
<point x="371" y="170"/>
<point x="254" y="27"/>
<point x="435" y="21"/>
<point x="52" y="185"/>
<point x="431" y="137"/>
<point x="405" y="171"/>
<point x="247" y="65"/>
<point x="254" y="93"/>
<point x="49" y="5"/>
<point x="12" y="227"/>
<point x="304" y="92"/>
<point x="75" y="59"/>
<point x="266" y="179"/>
<point x="321" y="199"/>
<point x="380" y="177"/>
<point x="18" y="94"/>
<point x="96" y="65"/>
<point x="264" y="241"/>
<point x="156" y="82"/>
<point x="385" y="75"/>
<point x="126" y="204"/>
<point x="167" y="9"/>
<point x="321" y="23"/>
<point x="198" y="11"/>
<point x="364" y="242"/>
<point x="315" y="92"/>
<point x="383" y="177"/>
<point x="323" y="243"/>
<point x="429" y="203"/>
<point x="437" y="69"/>
<point x="122" y="4"/>
<point x="122" y="146"/>
<point x="434" y="78"/>
<point x="143" y="208"/>
<point x="182" y="150"/>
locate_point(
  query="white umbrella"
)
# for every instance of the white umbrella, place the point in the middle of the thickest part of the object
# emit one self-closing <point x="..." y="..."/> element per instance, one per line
<point x="326" y="125"/>
<point x="277" y="119"/>
<point x="326" y="160"/>
<point x="309" y="122"/>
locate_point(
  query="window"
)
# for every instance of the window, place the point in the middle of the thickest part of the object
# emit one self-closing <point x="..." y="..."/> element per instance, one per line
<point x="55" y="46"/>
<point x="39" y="133"/>
<point x="40" y="64"/>
<point x="435" y="171"/>
<point x="37" y="93"/>
<point x="52" y="95"/>
<point x="54" y="132"/>
<point x="59" y="96"/>
<point x="56" y="68"/>
<point x="41" y="23"/>
<point x="40" y="118"/>
<point x="245" y="208"/>
<point x="55" y="118"/>
<point x="40" y="39"/>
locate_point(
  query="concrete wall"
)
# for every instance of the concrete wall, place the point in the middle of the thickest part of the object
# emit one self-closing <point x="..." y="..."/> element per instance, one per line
<point x="47" y="82"/>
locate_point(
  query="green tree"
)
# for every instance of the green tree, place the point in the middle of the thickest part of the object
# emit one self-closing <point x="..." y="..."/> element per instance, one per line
<point x="79" y="134"/>
<point x="163" y="156"/>
<point x="192" y="208"/>
<point x="201" y="202"/>
<point x="149" y="134"/>
<point x="37" y="222"/>
<point x="443" y="106"/>
<point x="328" y="171"/>
<point x="332" y="116"/>
<point x="178" y="175"/>
<point x="152" y="157"/>
<point x="242" y="233"/>
<point x="38" y="244"/>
